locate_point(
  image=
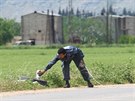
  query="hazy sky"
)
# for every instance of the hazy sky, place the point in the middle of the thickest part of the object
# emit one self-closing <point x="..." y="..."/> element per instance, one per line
<point x="16" y="8"/>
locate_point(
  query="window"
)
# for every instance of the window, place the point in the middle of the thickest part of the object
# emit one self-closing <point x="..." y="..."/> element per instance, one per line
<point x="39" y="31"/>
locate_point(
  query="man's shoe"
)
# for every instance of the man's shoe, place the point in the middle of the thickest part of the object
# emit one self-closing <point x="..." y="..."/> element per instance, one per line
<point x="67" y="86"/>
<point x="90" y="85"/>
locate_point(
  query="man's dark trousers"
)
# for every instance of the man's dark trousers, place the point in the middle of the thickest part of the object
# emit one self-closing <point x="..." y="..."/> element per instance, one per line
<point x="78" y="60"/>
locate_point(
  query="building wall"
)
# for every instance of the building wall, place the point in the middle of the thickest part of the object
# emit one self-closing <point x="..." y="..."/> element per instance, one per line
<point x="119" y="25"/>
<point x="58" y="25"/>
<point x="124" y="26"/>
<point x="130" y="25"/>
<point x="39" y="27"/>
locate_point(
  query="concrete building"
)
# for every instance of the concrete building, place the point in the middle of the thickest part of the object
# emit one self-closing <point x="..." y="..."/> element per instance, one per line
<point x="124" y="25"/>
<point x="42" y="28"/>
<point x="118" y="26"/>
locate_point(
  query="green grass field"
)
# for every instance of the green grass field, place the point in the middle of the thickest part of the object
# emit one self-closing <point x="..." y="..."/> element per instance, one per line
<point x="109" y="65"/>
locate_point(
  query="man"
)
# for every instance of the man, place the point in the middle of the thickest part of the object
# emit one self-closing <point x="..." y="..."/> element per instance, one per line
<point x="66" y="55"/>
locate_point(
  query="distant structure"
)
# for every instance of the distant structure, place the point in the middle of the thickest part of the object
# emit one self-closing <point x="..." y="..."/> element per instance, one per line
<point x="118" y="26"/>
<point x="42" y="28"/>
<point x="124" y="25"/>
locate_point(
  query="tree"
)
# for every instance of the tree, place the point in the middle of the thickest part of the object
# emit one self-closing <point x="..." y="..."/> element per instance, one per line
<point x="59" y="12"/>
<point x="63" y="12"/>
<point x="103" y="11"/>
<point x="8" y="29"/>
<point x="72" y="11"/>
<point x="89" y="30"/>
<point x="78" y="13"/>
<point x="129" y="13"/>
<point x="124" y="11"/>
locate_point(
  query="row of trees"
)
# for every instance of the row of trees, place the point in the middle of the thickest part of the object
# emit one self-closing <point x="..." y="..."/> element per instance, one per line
<point x="8" y="29"/>
<point x="79" y="13"/>
<point x="111" y="11"/>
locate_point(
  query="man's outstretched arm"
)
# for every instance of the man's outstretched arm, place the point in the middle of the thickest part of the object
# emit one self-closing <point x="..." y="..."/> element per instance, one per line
<point x="50" y="64"/>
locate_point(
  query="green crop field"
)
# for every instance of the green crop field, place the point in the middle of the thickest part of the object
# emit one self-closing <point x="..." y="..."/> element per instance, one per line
<point x="108" y="65"/>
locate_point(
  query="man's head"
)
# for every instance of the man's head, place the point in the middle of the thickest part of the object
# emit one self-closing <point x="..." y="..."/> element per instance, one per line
<point x="62" y="53"/>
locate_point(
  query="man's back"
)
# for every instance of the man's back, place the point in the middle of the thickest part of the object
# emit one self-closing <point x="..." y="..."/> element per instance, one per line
<point x="71" y="49"/>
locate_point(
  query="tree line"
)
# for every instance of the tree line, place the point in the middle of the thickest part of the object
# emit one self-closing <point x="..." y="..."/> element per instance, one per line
<point x="78" y="13"/>
<point x="84" y="13"/>
<point x="8" y="29"/>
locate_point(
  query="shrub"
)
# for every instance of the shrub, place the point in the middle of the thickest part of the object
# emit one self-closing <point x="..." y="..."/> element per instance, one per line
<point x="55" y="79"/>
<point x="114" y="73"/>
<point x="127" y="39"/>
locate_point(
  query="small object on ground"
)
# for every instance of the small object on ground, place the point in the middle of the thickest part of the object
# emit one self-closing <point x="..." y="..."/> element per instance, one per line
<point x="23" y="78"/>
<point x="35" y="80"/>
<point x="41" y="82"/>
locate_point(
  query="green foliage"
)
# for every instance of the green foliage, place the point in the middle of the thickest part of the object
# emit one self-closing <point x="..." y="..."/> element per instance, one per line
<point x="55" y="78"/>
<point x="114" y="73"/>
<point x="90" y="30"/>
<point x="8" y="29"/>
<point x="108" y="65"/>
<point x="127" y="39"/>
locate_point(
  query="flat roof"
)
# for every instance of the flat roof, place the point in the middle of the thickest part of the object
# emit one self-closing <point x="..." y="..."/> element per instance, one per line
<point x="44" y="13"/>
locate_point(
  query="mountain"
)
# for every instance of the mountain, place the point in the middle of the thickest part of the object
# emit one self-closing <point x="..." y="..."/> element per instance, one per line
<point x="13" y="9"/>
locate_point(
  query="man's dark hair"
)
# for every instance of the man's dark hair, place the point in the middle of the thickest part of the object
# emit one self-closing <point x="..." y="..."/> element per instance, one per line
<point x="61" y="50"/>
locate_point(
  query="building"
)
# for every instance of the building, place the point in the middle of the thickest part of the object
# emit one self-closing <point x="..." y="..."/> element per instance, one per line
<point x="42" y="28"/>
<point x="116" y="26"/>
<point x="124" y="25"/>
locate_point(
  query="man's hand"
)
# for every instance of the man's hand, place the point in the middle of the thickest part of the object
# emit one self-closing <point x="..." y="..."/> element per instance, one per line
<point x="41" y="72"/>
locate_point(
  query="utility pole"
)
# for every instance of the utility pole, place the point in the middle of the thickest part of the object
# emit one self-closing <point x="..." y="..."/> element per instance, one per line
<point x="111" y="21"/>
<point x="52" y="28"/>
<point x="107" y="22"/>
<point x="70" y="19"/>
